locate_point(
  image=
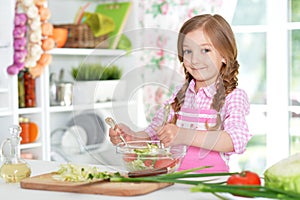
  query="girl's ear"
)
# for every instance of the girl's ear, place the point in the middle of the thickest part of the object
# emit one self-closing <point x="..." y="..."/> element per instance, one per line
<point x="224" y="61"/>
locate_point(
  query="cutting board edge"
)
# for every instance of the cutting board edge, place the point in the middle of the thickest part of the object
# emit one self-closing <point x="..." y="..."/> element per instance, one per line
<point x="103" y="188"/>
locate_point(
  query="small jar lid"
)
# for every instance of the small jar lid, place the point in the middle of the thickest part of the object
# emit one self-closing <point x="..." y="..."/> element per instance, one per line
<point x="23" y="120"/>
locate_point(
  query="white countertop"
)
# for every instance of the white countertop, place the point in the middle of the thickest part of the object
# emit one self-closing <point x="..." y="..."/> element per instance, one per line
<point x="14" y="191"/>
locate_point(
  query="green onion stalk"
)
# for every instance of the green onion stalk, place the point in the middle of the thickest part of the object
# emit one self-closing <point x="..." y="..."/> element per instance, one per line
<point x="245" y="191"/>
<point x="205" y="185"/>
<point x="175" y="177"/>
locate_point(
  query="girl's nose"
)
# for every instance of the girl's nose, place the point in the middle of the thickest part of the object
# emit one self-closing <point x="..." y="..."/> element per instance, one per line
<point x="195" y="58"/>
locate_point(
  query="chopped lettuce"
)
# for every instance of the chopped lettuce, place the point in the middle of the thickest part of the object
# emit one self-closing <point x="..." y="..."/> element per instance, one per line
<point x="136" y="165"/>
<point x="284" y="174"/>
<point x="145" y="157"/>
<point x="76" y="173"/>
<point x="151" y="149"/>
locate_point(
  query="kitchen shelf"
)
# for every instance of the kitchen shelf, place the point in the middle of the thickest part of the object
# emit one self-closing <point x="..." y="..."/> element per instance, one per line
<point x="61" y="109"/>
<point x="54" y="109"/>
<point x="5" y="112"/>
<point x="30" y="145"/>
<point x="30" y="110"/>
<point x="80" y="51"/>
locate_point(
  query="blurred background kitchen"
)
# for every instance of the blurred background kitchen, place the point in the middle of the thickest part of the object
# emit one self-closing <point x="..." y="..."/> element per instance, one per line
<point x="134" y="42"/>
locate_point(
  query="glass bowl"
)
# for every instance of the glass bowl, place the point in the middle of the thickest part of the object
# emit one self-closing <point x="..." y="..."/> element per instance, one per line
<point x="147" y="155"/>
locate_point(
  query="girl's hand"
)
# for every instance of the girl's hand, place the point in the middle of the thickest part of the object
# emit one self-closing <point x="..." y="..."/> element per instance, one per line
<point x="120" y="129"/>
<point x="168" y="134"/>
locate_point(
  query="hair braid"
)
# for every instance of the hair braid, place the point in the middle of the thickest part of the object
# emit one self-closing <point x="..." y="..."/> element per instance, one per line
<point x="179" y="99"/>
<point x="226" y="83"/>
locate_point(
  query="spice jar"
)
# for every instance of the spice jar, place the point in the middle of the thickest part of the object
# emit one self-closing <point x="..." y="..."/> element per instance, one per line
<point x="29" y="130"/>
<point x="21" y="91"/>
<point x="24" y="124"/>
<point x="29" y="88"/>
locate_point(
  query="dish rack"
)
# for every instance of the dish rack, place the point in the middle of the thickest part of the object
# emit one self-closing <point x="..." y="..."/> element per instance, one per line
<point x="81" y="36"/>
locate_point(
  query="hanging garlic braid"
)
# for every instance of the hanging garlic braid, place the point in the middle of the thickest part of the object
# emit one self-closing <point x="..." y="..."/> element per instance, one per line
<point x="222" y="38"/>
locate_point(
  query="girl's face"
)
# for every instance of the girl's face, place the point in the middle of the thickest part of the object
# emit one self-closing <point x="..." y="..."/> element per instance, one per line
<point x="201" y="59"/>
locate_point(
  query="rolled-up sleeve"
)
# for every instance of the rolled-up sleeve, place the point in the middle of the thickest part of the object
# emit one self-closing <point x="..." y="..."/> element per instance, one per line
<point x="237" y="107"/>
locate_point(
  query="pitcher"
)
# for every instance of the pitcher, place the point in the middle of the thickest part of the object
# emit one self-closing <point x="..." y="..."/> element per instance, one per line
<point x="14" y="168"/>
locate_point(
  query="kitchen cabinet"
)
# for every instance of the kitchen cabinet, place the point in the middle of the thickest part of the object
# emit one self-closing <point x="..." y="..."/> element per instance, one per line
<point x="47" y="117"/>
<point x="9" y="111"/>
<point x="50" y="118"/>
<point x="60" y="117"/>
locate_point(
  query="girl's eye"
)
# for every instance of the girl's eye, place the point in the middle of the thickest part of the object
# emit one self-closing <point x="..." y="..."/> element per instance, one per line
<point x="187" y="51"/>
<point x="205" y="50"/>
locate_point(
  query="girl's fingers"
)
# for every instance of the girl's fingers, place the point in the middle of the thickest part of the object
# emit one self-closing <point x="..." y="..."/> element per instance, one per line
<point x="112" y="132"/>
<point x="166" y="141"/>
<point x="114" y="136"/>
<point x="115" y="141"/>
<point x="159" y="130"/>
<point x="162" y="137"/>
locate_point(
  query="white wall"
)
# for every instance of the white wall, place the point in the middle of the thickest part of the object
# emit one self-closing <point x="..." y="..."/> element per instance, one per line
<point x="7" y="90"/>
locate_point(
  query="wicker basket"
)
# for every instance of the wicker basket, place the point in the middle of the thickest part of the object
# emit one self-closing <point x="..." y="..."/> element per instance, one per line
<point x="81" y="36"/>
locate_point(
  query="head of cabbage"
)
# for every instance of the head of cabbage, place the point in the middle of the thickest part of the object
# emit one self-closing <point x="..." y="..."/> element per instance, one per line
<point x="284" y="174"/>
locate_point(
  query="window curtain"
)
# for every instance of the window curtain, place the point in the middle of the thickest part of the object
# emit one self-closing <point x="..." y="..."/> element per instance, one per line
<point x="160" y="21"/>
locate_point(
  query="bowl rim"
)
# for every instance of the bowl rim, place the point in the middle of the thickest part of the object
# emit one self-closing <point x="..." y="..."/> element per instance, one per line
<point x="178" y="150"/>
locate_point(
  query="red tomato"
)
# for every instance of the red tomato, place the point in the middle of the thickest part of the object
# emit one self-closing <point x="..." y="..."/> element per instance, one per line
<point x="129" y="157"/>
<point x="148" y="162"/>
<point x="244" y="178"/>
<point x="164" y="163"/>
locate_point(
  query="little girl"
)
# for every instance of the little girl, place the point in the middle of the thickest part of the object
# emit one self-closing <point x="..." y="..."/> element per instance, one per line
<point x="208" y="110"/>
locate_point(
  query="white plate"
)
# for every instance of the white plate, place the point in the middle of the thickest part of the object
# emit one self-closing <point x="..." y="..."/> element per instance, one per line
<point x="74" y="137"/>
<point x="94" y="126"/>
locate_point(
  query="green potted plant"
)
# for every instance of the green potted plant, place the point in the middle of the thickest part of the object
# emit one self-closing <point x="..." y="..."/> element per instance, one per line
<point x="96" y="72"/>
<point x="96" y="83"/>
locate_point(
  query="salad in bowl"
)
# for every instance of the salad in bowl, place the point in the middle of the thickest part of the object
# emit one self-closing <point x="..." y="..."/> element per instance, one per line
<point x="150" y="155"/>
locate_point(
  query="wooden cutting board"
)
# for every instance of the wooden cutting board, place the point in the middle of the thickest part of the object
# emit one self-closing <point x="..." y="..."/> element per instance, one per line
<point x="46" y="182"/>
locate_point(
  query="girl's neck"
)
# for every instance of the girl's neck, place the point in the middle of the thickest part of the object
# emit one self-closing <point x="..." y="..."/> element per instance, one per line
<point x="202" y="84"/>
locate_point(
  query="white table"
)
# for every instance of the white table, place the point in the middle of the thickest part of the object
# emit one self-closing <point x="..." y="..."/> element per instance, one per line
<point x="13" y="190"/>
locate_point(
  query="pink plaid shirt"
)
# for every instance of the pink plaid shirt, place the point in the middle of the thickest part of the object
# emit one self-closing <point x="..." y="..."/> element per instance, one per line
<point x="233" y="114"/>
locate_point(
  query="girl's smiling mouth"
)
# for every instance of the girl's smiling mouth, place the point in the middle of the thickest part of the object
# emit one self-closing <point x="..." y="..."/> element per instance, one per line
<point x="198" y="67"/>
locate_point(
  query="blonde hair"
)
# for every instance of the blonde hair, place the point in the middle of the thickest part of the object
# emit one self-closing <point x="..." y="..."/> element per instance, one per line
<point x="222" y="38"/>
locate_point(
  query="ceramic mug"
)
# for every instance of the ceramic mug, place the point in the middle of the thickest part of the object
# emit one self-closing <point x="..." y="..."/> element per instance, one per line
<point x="29" y="131"/>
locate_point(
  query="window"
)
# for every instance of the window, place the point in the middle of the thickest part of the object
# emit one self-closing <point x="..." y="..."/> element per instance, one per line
<point x="268" y="38"/>
<point x="294" y="74"/>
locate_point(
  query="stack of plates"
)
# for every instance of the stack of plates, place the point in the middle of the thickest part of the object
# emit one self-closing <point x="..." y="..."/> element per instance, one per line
<point x="85" y="131"/>
<point x="90" y="124"/>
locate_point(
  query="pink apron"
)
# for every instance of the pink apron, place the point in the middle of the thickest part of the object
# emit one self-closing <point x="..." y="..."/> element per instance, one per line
<point x="197" y="157"/>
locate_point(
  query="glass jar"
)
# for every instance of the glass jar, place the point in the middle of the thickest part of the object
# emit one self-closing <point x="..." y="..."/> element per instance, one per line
<point x="25" y="133"/>
<point x="29" y="89"/>
<point x="29" y="131"/>
<point x="21" y="91"/>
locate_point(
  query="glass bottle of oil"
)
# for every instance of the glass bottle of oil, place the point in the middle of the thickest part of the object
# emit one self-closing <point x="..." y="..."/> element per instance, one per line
<point x="14" y="168"/>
